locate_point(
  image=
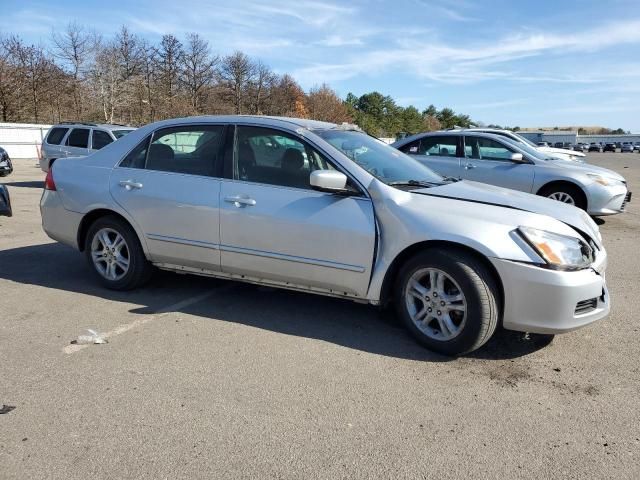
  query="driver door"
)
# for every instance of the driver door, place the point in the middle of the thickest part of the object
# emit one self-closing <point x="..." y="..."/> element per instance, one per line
<point x="489" y="161"/>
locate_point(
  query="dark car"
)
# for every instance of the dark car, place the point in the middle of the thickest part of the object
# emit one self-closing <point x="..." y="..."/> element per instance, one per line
<point x="565" y="145"/>
<point x="609" y="147"/>
<point x="595" y="147"/>
<point x="5" y="202"/>
<point x="5" y="163"/>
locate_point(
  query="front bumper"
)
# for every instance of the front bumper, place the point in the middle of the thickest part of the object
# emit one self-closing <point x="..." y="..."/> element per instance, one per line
<point x="607" y="200"/>
<point x="539" y="300"/>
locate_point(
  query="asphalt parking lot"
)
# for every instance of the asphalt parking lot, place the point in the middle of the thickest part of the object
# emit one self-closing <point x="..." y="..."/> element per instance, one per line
<point x="211" y="379"/>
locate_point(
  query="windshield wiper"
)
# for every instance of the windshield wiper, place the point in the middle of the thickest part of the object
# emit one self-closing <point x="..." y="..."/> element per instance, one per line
<point x="415" y="183"/>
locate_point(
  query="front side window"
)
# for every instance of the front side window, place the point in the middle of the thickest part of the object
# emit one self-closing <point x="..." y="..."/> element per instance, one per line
<point x="486" y="149"/>
<point x="444" y="146"/>
<point x="56" y="135"/>
<point x="100" y="139"/>
<point x="79" y="137"/>
<point x="264" y="155"/>
<point x="193" y="150"/>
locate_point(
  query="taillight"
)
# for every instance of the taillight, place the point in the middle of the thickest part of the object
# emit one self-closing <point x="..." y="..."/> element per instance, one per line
<point x="49" y="184"/>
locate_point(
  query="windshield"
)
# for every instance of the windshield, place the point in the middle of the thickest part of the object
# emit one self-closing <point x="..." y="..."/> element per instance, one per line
<point x="379" y="159"/>
<point x="120" y="133"/>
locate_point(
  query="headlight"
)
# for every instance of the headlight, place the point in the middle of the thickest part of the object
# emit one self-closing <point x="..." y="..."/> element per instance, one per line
<point x="606" y="181"/>
<point x="561" y="252"/>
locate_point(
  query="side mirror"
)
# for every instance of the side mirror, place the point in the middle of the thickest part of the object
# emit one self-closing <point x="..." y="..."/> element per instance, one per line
<point x="5" y="202"/>
<point x="517" y="158"/>
<point x="328" y="181"/>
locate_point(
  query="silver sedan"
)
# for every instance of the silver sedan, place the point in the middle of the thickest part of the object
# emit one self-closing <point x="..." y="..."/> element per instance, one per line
<point x="497" y="160"/>
<point x="326" y="209"/>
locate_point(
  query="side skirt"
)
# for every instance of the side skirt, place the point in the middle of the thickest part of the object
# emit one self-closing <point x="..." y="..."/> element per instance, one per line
<point x="261" y="281"/>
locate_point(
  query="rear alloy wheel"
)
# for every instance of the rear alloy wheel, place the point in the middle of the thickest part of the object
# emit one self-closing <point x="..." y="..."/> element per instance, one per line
<point x="448" y="301"/>
<point x="115" y="254"/>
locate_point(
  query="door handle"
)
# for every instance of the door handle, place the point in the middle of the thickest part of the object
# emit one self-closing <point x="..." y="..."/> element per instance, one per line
<point x="469" y="166"/>
<point x="130" y="184"/>
<point x="240" y="201"/>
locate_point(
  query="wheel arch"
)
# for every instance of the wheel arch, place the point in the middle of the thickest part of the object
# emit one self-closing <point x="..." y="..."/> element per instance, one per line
<point x="555" y="183"/>
<point x="94" y="215"/>
<point x="386" y="292"/>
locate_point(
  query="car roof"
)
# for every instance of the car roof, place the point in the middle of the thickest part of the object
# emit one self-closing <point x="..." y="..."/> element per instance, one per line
<point x="445" y="133"/>
<point x="105" y="126"/>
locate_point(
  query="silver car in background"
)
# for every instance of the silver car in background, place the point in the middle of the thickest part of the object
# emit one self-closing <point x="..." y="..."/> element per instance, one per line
<point x="69" y="139"/>
<point x="327" y="209"/>
<point x="547" y="150"/>
<point x="497" y="160"/>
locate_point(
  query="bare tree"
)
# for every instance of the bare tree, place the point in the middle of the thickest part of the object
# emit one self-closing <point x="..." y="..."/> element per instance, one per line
<point x="10" y="84"/>
<point x="107" y="78"/>
<point x="75" y="47"/>
<point x="198" y="70"/>
<point x="237" y="72"/>
<point x="263" y="82"/>
<point x="169" y="60"/>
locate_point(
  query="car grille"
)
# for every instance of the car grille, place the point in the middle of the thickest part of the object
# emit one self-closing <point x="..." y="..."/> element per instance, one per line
<point x="626" y="200"/>
<point x="586" y="306"/>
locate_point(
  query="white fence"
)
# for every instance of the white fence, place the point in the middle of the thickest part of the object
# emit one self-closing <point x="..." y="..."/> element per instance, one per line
<point x="22" y="140"/>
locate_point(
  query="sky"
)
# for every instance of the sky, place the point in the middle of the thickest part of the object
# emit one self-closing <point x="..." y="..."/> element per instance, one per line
<point x="517" y="63"/>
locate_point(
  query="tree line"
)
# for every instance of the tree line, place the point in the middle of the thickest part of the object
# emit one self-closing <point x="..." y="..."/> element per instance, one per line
<point x="126" y="79"/>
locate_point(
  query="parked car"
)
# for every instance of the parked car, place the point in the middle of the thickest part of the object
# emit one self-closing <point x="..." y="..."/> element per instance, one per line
<point x="636" y="146"/>
<point x="554" y="152"/>
<point x="595" y="147"/>
<point x="327" y="209"/>
<point x="6" y="167"/>
<point x="563" y="145"/>
<point x="609" y="147"/>
<point x="5" y="202"/>
<point x="77" y="139"/>
<point x="581" y="147"/>
<point x="497" y="160"/>
<point x="543" y="144"/>
<point x="627" y="147"/>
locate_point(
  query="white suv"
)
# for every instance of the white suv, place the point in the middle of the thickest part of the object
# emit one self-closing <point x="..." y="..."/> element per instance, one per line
<point x="69" y="139"/>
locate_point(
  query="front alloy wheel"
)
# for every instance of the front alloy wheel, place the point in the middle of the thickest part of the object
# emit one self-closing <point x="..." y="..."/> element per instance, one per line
<point x="448" y="299"/>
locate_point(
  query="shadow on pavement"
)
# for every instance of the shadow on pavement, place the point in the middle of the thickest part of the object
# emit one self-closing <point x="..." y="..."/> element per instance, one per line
<point x="342" y="322"/>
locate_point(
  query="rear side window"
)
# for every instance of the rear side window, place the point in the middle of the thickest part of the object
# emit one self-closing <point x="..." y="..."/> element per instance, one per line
<point x="100" y="139"/>
<point x="138" y="156"/>
<point x="79" y="137"/>
<point x="193" y="150"/>
<point x="439" y="146"/>
<point x="56" y="135"/>
<point x="120" y="133"/>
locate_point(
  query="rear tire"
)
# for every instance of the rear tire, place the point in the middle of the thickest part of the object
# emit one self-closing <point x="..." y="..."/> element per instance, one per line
<point x="454" y="312"/>
<point x="115" y="255"/>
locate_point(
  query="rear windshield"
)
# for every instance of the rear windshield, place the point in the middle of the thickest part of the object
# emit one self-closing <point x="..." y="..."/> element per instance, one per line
<point x="56" y="135"/>
<point x="120" y="133"/>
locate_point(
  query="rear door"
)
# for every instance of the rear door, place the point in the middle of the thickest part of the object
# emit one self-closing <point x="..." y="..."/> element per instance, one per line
<point x="489" y="161"/>
<point x="274" y="226"/>
<point x="77" y="142"/>
<point x="439" y="153"/>
<point x="170" y="186"/>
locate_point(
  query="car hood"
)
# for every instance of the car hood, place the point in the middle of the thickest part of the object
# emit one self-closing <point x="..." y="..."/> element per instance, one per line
<point x="561" y="151"/>
<point x="491" y="195"/>
<point x="586" y="168"/>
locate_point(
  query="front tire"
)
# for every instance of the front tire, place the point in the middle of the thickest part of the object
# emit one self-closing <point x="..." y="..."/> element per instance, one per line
<point x="115" y="254"/>
<point x="448" y="300"/>
<point x="565" y="193"/>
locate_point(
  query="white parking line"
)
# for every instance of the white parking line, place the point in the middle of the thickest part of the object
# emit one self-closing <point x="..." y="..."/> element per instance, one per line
<point x="69" y="349"/>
